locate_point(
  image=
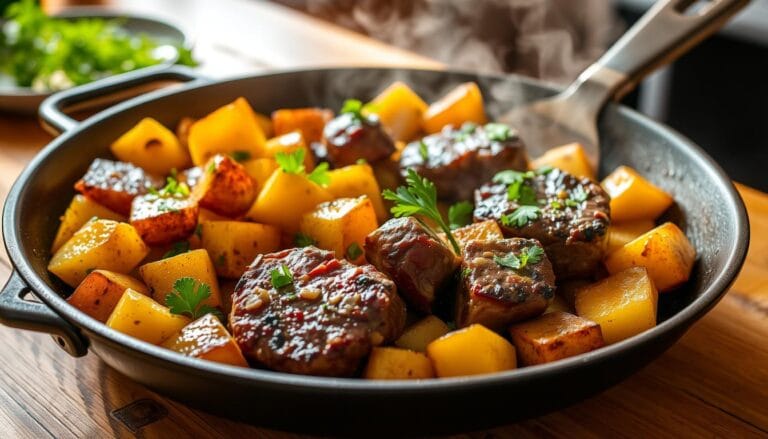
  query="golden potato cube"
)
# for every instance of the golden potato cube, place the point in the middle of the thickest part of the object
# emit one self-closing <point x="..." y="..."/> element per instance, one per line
<point x="265" y="122"/>
<point x="462" y="104"/>
<point x="99" y="244"/>
<point x="225" y="188"/>
<point x="284" y="199"/>
<point x="571" y="158"/>
<point x="310" y="121"/>
<point x="98" y="294"/>
<point x="483" y="231"/>
<point x="209" y="215"/>
<point x="473" y="350"/>
<point x="206" y="338"/>
<point x="554" y="336"/>
<point x="231" y="128"/>
<point x="665" y="252"/>
<point x="623" y="304"/>
<point x="355" y="180"/>
<point x="397" y="364"/>
<point x="232" y="245"/>
<point x="400" y="110"/>
<point x="633" y="197"/>
<point x="163" y="220"/>
<point x="81" y="210"/>
<point x="288" y="143"/>
<point x="139" y="316"/>
<point x="161" y="275"/>
<point x="558" y="303"/>
<point x="622" y="233"/>
<point x="151" y="146"/>
<point x="417" y="336"/>
<point x="341" y="225"/>
<point x="260" y="170"/>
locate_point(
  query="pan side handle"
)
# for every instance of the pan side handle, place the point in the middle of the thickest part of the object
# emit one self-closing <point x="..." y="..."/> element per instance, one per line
<point x="17" y="312"/>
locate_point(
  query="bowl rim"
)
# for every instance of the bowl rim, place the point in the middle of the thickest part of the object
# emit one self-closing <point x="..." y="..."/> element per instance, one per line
<point x="681" y="320"/>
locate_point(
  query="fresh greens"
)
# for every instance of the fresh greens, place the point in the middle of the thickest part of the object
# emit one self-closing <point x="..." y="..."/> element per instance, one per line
<point x="460" y="214"/>
<point x="423" y="151"/>
<point x="302" y="240"/>
<point x="240" y="156"/>
<point x="293" y="163"/>
<point x="498" y="131"/>
<point x="521" y="216"/>
<point x="528" y="255"/>
<point x="353" y="107"/>
<point x="320" y="175"/>
<point x="281" y="277"/>
<point x="353" y="251"/>
<point x="187" y="299"/>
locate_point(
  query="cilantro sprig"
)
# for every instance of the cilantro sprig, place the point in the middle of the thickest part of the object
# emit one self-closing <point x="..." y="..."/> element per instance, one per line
<point x="521" y="216"/>
<point x="460" y="214"/>
<point x="172" y="189"/>
<point x="498" y="131"/>
<point x="419" y="199"/>
<point x="187" y="299"/>
<point x="530" y="255"/>
<point x="281" y="277"/>
<point x="353" y="107"/>
<point x="293" y="163"/>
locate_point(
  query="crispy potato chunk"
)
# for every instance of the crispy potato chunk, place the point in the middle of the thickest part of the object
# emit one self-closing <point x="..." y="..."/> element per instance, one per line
<point x="417" y="336"/>
<point x="633" y="197"/>
<point x="665" y="252"/>
<point x="397" y="364"/>
<point x="98" y="294"/>
<point x="162" y="220"/>
<point x="260" y="170"/>
<point x="487" y="230"/>
<point x="80" y="211"/>
<point x="288" y="143"/>
<point x="462" y="104"/>
<point x="141" y="317"/>
<point x="341" y="225"/>
<point x="310" y="121"/>
<point x="554" y="336"/>
<point x="226" y="188"/>
<point x="473" y="350"/>
<point x="571" y="158"/>
<point x="621" y="233"/>
<point x="356" y="180"/>
<point x="99" y="244"/>
<point x="152" y="147"/>
<point x="400" y="110"/>
<point x="206" y="338"/>
<point x="114" y="185"/>
<point x="232" y="245"/>
<point x="161" y="275"/>
<point x="623" y="304"/>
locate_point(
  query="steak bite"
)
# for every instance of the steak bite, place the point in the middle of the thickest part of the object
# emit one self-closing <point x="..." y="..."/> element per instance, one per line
<point x="417" y="261"/>
<point x="568" y="215"/>
<point x="352" y="136"/>
<point x="303" y="311"/>
<point x="503" y="281"/>
<point x="459" y="160"/>
<point x="115" y="184"/>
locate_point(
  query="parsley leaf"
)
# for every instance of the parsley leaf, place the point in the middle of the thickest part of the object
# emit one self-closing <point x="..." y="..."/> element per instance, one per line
<point x="511" y="176"/>
<point x="320" y="175"/>
<point x="460" y="214"/>
<point x="544" y="170"/>
<point x="353" y="107"/>
<point x="291" y="162"/>
<point x="187" y="299"/>
<point x="172" y="188"/>
<point x="521" y="216"/>
<point x="468" y="127"/>
<point x="498" y="131"/>
<point x="240" y="156"/>
<point x="423" y="151"/>
<point x="177" y="249"/>
<point x="509" y="261"/>
<point x="579" y="195"/>
<point x="528" y="255"/>
<point x="281" y="277"/>
<point x="302" y="240"/>
<point x="519" y="190"/>
<point x="353" y="251"/>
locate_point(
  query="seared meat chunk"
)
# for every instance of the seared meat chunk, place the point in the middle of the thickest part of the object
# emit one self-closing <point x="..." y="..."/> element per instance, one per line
<point x="419" y="263"/>
<point x="568" y="215"/>
<point x="503" y="281"/>
<point x="351" y="136"/>
<point x="459" y="160"/>
<point x="304" y="311"/>
<point x="115" y="184"/>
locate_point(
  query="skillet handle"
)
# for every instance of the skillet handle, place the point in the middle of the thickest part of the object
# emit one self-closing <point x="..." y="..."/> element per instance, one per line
<point x="52" y="109"/>
<point x="36" y="316"/>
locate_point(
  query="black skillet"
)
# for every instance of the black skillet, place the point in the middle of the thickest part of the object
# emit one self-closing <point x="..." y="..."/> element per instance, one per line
<point x="708" y="209"/>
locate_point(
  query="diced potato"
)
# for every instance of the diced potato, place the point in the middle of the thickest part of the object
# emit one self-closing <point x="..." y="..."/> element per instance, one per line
<point x="288" y="143"/>
<point x="463" y="104"/>
<point x="231" y="128"/>
<point x="622" y="233"/>
<point x="397" y="364"/>
<point x="633" y="197"/>
<point x="151" y="146"/>
<point x="665" y="252"/>
<point x="284" y="199"/>
<point x="265" y="122"/>
<point x="310" y="121"/>
<point x="206" y="338"/>
<point x="483" y="231"/>
<point x="559" y="304"/>
<point x="99" y="245"/>
<point x="260" y="170"/>
<point x="139" y="316"/>
<point x="163" y="220"/>
<point x="209" y="215"/>
<point x="417" y="336"/>
<point x="226" y="188"/>
<point x="400" y="110"/>
<point x="623" y="304"/>
<point x="571" y="158"/>
<point x="79" y="212"/>
<point x="340" y="225"/>
<point x="98" y="294"/>
<point x="161" y="275"/>
<point x="232" y="245"/>
<point x="554" y="336"/>
<point x="356" y="180"/>
<point x="182" y="131"/>
<point x="473" y="350"/>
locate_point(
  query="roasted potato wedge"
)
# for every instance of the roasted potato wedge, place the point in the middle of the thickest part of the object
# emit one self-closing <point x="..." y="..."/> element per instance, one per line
<point x="225" y="188"/>
<point x="341" y="225"/>
<point x="462" y="104"/>
<point x="355" y="180"/>
<point x="152" y="147"/>
<point x="417" y="336"/>
<point x="141" y="317"/>
<point x="386" y="363"/>
<point x="473" y="350"/>
<point x="633" y="197"/>
<point x="232" y="245"/>
<point x="98" y="294"/>
<point x="206" y="338"/>
<point x="161" y="275"/>
<point x="80" y="211"/>
<point x="400" y="110"/>
<point x="554" y="336"/>
<point x="571" y="158"/>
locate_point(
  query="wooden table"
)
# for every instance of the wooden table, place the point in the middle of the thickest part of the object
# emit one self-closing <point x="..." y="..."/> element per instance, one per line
<point x="714" y="382"/>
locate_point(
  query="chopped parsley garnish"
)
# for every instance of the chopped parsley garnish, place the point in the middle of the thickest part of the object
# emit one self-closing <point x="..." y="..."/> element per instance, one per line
<point x="519" y="189"/>
<point x="419" y="198"/>
<point x="177" y="249"/>
<point x="555" y="204"/>
<point x="302" y="240"/>
<point x="361" y="161"/>
<point x="240" y="156"/>
<point x="281" y="277"/>
<point x="172" y="188"/>
<point x="353" y="251"/>
<point x="293" y="163"/>
<point x="511" y="176"/>
<point x="320" y="175"/>
<point x="579" y="195"/>
<point x="460" y="214"/>
<point x="468" y="127"/>
<point x="544" y="170"/>
<point x="465" y="272"/>
<point x="212" y="168"/>
<point x="521" y="216"/>
<point x="498" y="131"/>
<point x="187" y="299"/>
<point x="528" y="255"/>
<point x="423" y="151"/>
<point x="353" y="107"/>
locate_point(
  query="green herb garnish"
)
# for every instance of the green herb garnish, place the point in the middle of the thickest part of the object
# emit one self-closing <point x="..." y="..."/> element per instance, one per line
<point x="302" y="240"/>
<point x="530" y="255"/>
<point x="353" y="251"/>
<point x="521" y="216"/>
<point x="177" y="249"/>
<point x="460" y="214"/>
<point x="544" y="170"/>
<point x="240" y="156"/>
<point x="353" y="107"/>
<point x="320" y="175"/>
<point x="465" y="272"/>
<point x="293" y="163"/>
<point x="281" y="277"/>
<point x="187" y="299"/>
<point x="511" y="176"/>
<point x="212" y="168"/>
<point x="579" y="195"/>
<point x="423" y="151"/>
<point x="498" y="131"/>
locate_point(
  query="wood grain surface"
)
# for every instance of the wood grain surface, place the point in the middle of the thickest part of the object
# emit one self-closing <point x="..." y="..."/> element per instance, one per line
<point x="713" y="383"/>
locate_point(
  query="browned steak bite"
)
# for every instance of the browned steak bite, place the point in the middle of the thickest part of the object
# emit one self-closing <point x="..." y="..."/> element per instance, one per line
<point x="459" y="160"/>
<point x="417" y="261"/>
<point x="502" y="282"/>
<point x="568" y="215"/>
<point x="115" y="184"/>
<point x="351" y="136"/>
<point x="304" y="311"/>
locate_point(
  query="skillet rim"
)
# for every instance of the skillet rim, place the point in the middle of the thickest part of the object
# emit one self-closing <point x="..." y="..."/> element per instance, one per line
<point x="680" y="321"/>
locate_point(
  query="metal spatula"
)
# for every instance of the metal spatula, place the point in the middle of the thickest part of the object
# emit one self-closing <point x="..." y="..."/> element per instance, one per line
<point x="669" y="29"/>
